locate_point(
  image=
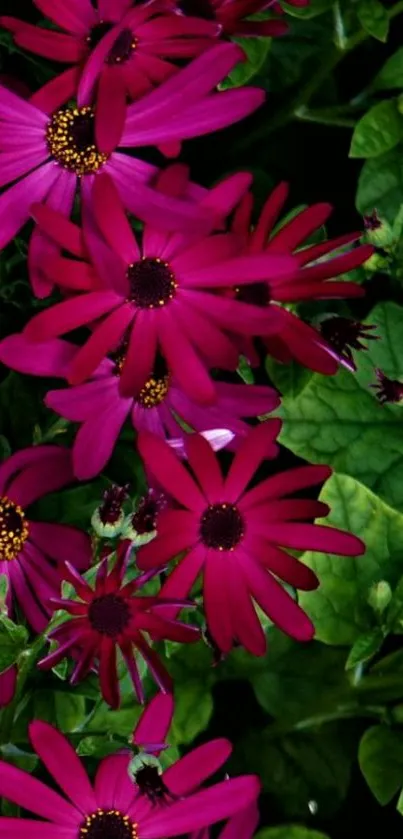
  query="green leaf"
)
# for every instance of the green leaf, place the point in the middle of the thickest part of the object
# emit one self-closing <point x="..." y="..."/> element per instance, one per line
<point x="380" y="185"/>
<point x="13" y="640"/>
<point x="391" y="75"/>
<point x="380" y="756"/>
<point x="289" y="831"/>
<point x="65" y="710"/>
<point x="289" y="379"/>
<point x="378" y="131"/>
<point x="337" y="419"/>
<point x="373" y="18"/>
<point x="72" y="506"/>
<point x="193" y="709"/>
<point x="365" y="647"/>
<point x="339" y="608"/>
<point x="256" y="51"/>
<point x="315" y="7"/>
<point x="97" y="747"/>
<point x="18" y="757"/>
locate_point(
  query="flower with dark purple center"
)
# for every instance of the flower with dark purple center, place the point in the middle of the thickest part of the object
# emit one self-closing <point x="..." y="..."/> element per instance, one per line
<point x="388" y="390"/>
<point x="152" y="283"/>
<point x="222" y="527"/>
<point x="123" y="47"/>
<point x="108" y="824"/>
<point x="109" y="615"/>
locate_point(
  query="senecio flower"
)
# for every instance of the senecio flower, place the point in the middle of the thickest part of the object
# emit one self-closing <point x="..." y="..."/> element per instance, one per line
<point x="238" y="536"/>
<point x="111" y="616"/>
<point x="159" y="296"/>
<point x="129" y="50"/>
<point x="31" y="552"/>
<point x="115" y="807"/>
<point x="318" y="266"/>
<point x="48" y="150"/>
<point x="234" y="15"/>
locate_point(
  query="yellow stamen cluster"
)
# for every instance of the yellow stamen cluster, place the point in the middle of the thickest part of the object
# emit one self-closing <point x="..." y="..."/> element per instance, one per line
<point x="69" y="137"/>
<point x="153" y="392"/>
<point x="91" y="822"/>
<point x="13" y="529"/>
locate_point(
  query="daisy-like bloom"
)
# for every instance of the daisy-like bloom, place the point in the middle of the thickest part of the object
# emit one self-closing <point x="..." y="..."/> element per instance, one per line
<point x="234" y="15"/>
<point x="160" y="296"/>
<point x="113" y="808"/>
<point x="239" y="537"/>
<point x="129" y="50"/>
<point x="48" y="150"/>
<point x="31" y="552"/>
<point x="101" y="409"/>
<point x="387" y="390"/>
<point x="314" y="280"/>
<point x="345" y="335"/>
<point x="113" y="616"/>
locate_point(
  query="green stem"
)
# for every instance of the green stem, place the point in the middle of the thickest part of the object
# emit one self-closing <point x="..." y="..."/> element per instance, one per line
<point x="26" y="665"/>
<point x="378" y="712"/>
<point x="307" y="115"/>
<point x="304" y="95"/>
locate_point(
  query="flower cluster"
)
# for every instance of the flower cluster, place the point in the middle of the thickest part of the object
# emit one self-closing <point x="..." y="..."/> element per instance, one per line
<point x="163" y="284"/>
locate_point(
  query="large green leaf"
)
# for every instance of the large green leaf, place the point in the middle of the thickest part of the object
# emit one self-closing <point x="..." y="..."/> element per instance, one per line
<point x="391" y="74"/>
<point x="256" y="51"/>
<point x="315" y="7"/>
<point x="339" y="608"/>
<point x="13" y="639"/>
<point x="378" y="131"/>
<point x="381" y="760"/>
<point x="337" y="419"/>
<point x="373" y="18"/>
<point x="290" y="831"/>
<point x="380" y="185"/>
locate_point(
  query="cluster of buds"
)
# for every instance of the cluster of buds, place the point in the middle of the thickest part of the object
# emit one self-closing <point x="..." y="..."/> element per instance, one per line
<point x="111" y="521"/>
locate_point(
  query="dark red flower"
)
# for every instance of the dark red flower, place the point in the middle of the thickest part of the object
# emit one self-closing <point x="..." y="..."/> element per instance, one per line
<point x="388" y="390"/>
<point x="345" y="335"/>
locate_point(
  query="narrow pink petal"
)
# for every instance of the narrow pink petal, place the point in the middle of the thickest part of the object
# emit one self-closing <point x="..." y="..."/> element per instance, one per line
<point x="22" y="459"/>
<point x="70" y="273"/>
<point x="275" y="602"/>
<point x="62" y="762"/>
<point x="112" y="220"/>
<point x="216" y="600"/>
<point x="155" y="721"/>
<point x="242" y="270"/>
<point x="243" y="825"/>
<point x="184" y="362"/>
<point x="187" y="774"/>
<point x="37" y="480"/>
<point x="280" y="563"/>
<point x="64" y="232"/>
<point x="8" y="682"/>
<point x="78" y="404"/>
<point x="76" y="16"/>
<point x="257" y="446"/>
<point x="315" y="537"/>
<point x="17" y="110"/>
<point x="48" y="359"/>
<point x="41" y="247"/>
<point x="110" y="112"/>
<point x="59" y="90"/>
<point x="21" y="828"/>
<point x="293" y="509"/>
<point x="63" y="317"/>
<point x="63" y="543"/>
<point x="296" y="231"/>
<point x="269" y="216"/>
<point x="97" y="438"/>
<point x="36" y="612"/>
<point x="113" y="9"/>
<point x="50" y="44"/>
<point x="113" y="787"/>
<point x="165" y="26"/>
<point x="207" y="807"/>
<point x="240" y="318"/>
<point x="13" y="164"/>
<point x="169" y="471"/>
<point x="205" y="467"/>
<point x="108" y="676"/>
<point x="169" y="543"/>
<point x="211" y="343"/>
<point x="105" y="338"/>
<point x="30" y="794"/>
<point x="245" y="621"/>
<point x="224" y="196"/>
<point x="140" y="358"/>
<point x="207" y="252"/>
<point x="285" y="483"/>
<point x="180" y="581"/>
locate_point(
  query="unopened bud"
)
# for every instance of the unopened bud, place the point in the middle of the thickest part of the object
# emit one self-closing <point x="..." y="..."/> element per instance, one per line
<point x="379" y="597"/>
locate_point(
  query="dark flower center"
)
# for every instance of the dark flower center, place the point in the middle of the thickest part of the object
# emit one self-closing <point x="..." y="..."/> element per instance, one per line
<point x="222" y="527"/>
<point x="111" y="508"/>
<point x="151" y="783"/>
<point x="197" y="8"/>
<point x="13" y="529"/>
<point x="123" y="47"/>
<point x="388" y="390"/>
<point x="256" y="293"/>
<point x="70" y="136"/>
<point x="109" y="615"/>
<point x="341" y="332"/>
<point x="152" y="283"/>
<point x="144" y="520"/>
<point x="108" y="824"/>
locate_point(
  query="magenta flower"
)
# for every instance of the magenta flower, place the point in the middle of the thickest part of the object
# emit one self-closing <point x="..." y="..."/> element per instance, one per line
<point x="234" y="15"/>
<point x="128" y="49"/>
<point x="111" y="616"/>
<point x="160" y="297"/>
<point x="318" y="266"/>
<point x="239" y="537"/>
<point x="31" y="552"/>
<point x="48" y="150"/>
<point x="113" y="807"/>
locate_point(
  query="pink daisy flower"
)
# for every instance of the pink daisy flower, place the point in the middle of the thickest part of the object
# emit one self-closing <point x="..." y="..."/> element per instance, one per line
<point x="113" y="616"/>
<point x="314" y="280"/>
<point x="48" y="151"/>
<point x="239" y="537"/>
<point x="129" y="49"/>
<point x="31" y="552"/>
<point x="112" y="807"/>
<point x="161" y="297"/>
<point x="234" y="15"/>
